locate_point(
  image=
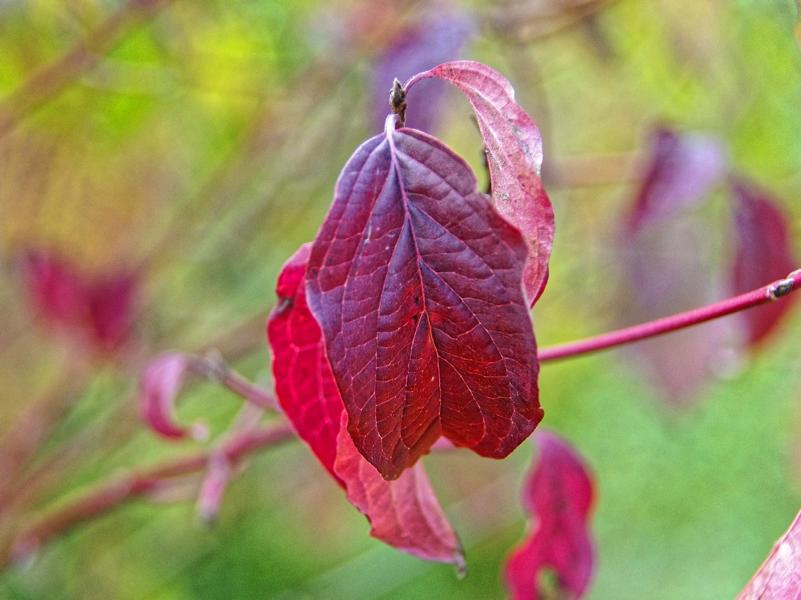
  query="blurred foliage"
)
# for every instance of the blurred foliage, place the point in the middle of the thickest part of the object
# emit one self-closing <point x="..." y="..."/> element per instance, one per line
<point x="201" y="148"/>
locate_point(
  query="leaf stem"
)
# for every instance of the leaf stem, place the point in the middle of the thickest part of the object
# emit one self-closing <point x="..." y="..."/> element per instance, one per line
<point x="763" y="295"/>
<point x="136" y="484"/>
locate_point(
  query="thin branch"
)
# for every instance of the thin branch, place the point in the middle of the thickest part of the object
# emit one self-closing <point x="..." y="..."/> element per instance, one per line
<point x="769" y="293"/>
<point x="137" y="484"/>
<point x="51" y="79"/>
<point x="213" y="367"/>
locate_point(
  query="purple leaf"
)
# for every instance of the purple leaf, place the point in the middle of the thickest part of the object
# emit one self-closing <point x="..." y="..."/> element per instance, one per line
<point x="430" y="40"/>
<point x="779" y="577"/>
<point x="683" y="169"/>
<point x="559" y="496"/>
<point x="416" y="283"/>
<point x="670" y="262"/>
<point x="513" y="147"/>
<point x="159" y="385"/>
<point x="764" y="253"/>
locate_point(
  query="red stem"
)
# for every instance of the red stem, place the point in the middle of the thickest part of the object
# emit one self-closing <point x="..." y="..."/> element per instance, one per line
<point x="119" y="491"/>
<point x="768" y="293"/>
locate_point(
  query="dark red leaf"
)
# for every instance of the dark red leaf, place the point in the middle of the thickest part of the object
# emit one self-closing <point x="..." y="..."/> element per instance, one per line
<point x="304" y="383"/>
<point x="97" y="309"/>
<point x="416" y="283"/>
<point x="428" y="41"/>
<point x="682" y="170"/>
<point x="56" y="289"/>
<point x="514" y="155"/>
<point x="160" y="383"/>
<point x="764" y="253"/>
<point x="557" y="559"/>
<point x="779" y="577"/>
<point x="111" y="309"/>
<point x="403" y="513"/>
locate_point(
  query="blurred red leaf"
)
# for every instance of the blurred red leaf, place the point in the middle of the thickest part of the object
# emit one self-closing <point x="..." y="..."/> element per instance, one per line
<point x="514" y="155"/>
<point x="97" y="309"/>
<point x="682" y="170"/>
<point x="429" y="40"/>
<point x="559" y="495"/>
<point x="779" y="577"/>
<point x="304" y="383"/>
<point x="110" y="302"/>
<point x="416" y="283"/>
<point x="764" y="252"/>
<point x="56" y="289"/>
<point x="404" y="513"/>
<point x="160" y="383"/>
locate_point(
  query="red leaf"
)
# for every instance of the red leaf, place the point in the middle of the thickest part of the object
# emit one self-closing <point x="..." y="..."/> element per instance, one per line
<point x="415" y="281"/>
<point x="403" y="513"/>
<point x="514" y="155"/>
<point x="764" y="252"/>
<point x="55" y="288"/>
<point x="304" y="383"/>
<point x="159" y="385"/>
<point x="110" y="303"/>
<point x="779" y="577"/>
<point x="98" y="309"/>
<point x="559" y="494"/>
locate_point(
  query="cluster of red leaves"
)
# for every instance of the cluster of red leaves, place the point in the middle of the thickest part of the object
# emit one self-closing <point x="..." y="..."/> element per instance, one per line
<point x="677" y="182"/>
<point x="97" y="311"/>
<point x="406" y="321"/>
<point x="406" y="324"/>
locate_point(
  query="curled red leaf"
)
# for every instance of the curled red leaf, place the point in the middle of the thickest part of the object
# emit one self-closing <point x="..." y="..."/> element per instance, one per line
<point x="779" y="577"/>
<point x="404" y="513"/>
<point x="416" y="283"/>
<point x="513" y="146"/>
<point x="763" y="252"/>
<point x="160" y="383"/>
<point x="557" y="559"/>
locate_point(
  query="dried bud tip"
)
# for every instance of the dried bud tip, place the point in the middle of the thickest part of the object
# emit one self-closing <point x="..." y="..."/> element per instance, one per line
<point x="397" y="99"/>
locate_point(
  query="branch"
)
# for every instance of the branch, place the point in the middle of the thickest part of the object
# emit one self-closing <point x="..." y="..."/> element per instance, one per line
<point x="769" y="293"/>
<point x="137" y="484"/>
<point x="51" y="79"/>
<point x="212" y="366"/>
